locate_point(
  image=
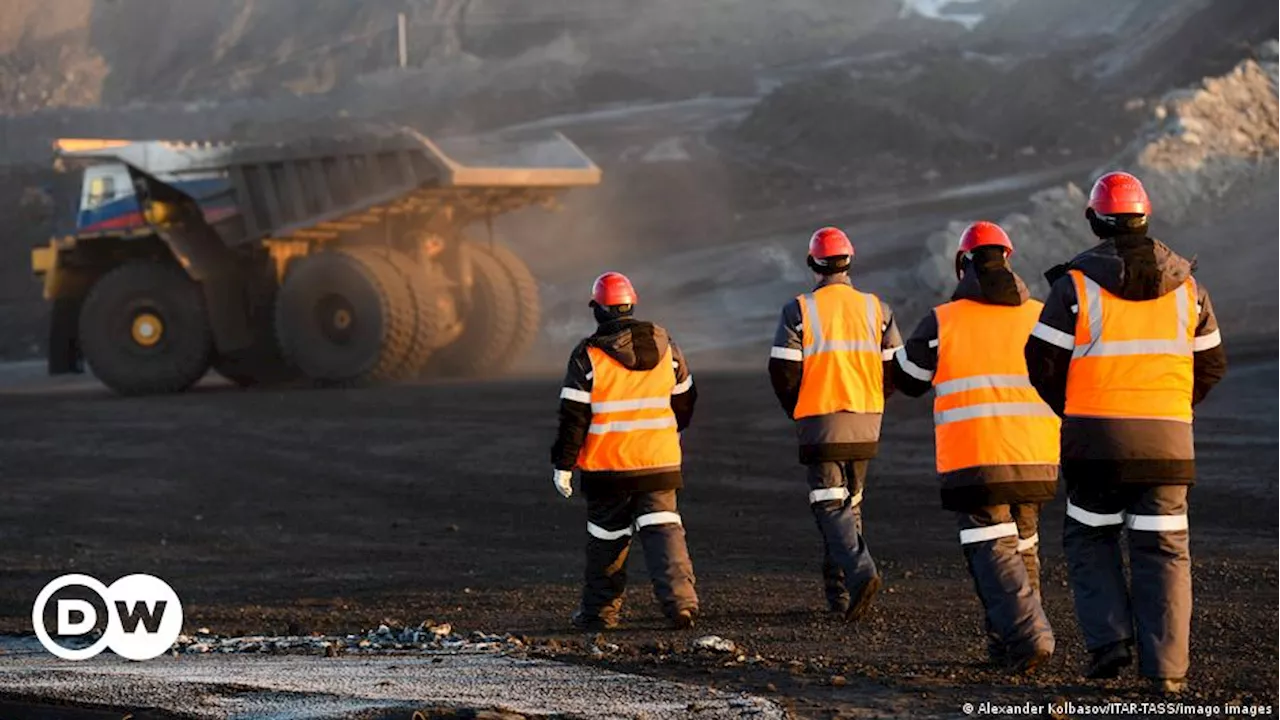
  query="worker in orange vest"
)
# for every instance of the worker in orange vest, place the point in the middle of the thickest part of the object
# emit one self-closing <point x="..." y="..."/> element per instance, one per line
<point x="996" y="441"/>
<point x="627" y="395"/>
<point x="828" y="370"/>
<point x="1126" y="345"/>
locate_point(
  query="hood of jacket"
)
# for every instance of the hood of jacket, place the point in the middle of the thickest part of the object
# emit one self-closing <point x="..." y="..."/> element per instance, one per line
<point x="1000" y="292"/>
<point x="1133" y="267"/>
<point x="635" y="344"/>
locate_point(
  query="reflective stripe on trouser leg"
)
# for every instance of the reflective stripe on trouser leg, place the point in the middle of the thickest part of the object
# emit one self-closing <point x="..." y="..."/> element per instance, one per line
<point x="600" y="533"/>
<point x="661" y="517"/>
<point x="1095" y="567"/>
<point x="841" y="494"/>
<point x="840" y="522"/>
<point x="1014" y="616"/>
<point x="1160" y="567"/>
<point x="608" y="543"/>
<point x="666" y="556"/>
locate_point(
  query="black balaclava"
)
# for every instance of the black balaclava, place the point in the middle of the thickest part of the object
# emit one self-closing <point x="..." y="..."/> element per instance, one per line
<point x="1109" y="226"/>
<point x="1142" y="275"/>
<point x="830" y="266"/>
<point x="995" y="277"/>
<point x="606" y="314"/>
<point x="1128" y="231"/>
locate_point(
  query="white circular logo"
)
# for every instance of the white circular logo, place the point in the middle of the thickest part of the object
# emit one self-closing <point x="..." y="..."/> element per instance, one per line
<point x="143" y="617"/>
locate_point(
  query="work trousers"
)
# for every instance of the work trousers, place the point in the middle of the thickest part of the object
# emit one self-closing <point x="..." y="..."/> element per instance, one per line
<point x="1155" y="604"/>
<point x="835" y="497"/>
<point x="1001" y="548"/>
<point x="611" y="523"/>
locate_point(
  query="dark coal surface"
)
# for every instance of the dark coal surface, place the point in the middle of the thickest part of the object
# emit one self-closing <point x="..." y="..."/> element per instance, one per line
<point x="334" y="511"/>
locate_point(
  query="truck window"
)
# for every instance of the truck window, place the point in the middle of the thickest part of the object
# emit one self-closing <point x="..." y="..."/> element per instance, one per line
<point x="102" y="189"/>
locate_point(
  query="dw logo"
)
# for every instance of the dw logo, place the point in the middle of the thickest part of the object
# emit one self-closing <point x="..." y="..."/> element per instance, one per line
<point x="139" y="615"/>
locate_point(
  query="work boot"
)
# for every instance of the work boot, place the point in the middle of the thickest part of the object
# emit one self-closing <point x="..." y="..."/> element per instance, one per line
<point x="1028" y="661"/>
<point x="860" y="601"/>
<point x="1169" y="686"/>
<point x="684" y="618"/>
<point x="1106" y="662"/>
<point x="997" y="654"/>
<point x="593" y="623"/>
<point x="833" y="585"/>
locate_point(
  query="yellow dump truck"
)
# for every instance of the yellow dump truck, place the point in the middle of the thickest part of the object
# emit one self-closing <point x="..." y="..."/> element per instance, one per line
<point x="344" y="261"/>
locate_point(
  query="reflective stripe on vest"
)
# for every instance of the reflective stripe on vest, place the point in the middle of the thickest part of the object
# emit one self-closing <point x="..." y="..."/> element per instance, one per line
<point x="1132" y="358"/>
<point x="843" y="360"/>
<point x="632" y="424"/>
<point x="985" y="410"/>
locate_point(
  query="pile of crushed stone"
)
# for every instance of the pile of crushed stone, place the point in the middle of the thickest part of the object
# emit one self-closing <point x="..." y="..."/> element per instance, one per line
<point x="935" y="114"/>
<point x="1050" y="230"/>
<point x="425" y="637"/>
<point x="1204" y="142"/>
<point x="1200" y="146"/>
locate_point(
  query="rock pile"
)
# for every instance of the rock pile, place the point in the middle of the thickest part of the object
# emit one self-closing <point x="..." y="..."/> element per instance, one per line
<point x="1049" y="231"/>
<point x="1200" y="144"/>
<point x="425" y="637"/>
<point x="1205" y="141"/>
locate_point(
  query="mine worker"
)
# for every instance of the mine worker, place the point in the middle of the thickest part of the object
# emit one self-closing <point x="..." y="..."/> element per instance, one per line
<point x="627" y="395"/>
<point x="996" y="441"/>
<point x="1126" y="345"/>
<point x="828" y="368"/>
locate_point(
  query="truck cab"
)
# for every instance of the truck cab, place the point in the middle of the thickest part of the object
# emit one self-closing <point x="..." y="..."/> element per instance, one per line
<point x="107" y="200"/>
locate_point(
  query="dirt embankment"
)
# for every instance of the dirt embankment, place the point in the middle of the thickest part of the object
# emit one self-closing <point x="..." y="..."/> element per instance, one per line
<point x="237" y="48"/>
<point x="1203" y="154"/>
<point x="45" y="56"/>
<point x="934" y="115"/>
<point x="1036" y="84"/>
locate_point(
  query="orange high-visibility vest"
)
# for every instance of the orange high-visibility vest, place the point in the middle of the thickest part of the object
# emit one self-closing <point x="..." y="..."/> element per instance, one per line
<point x="1132" y="358"/>
<point x="985" y="410"/>
<point x="842" y="359"/>
<point x="632" y="424"/>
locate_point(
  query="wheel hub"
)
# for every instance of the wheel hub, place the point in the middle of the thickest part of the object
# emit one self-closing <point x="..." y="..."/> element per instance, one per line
<point x="337" y="318"/>
<point x="147" y="329"/>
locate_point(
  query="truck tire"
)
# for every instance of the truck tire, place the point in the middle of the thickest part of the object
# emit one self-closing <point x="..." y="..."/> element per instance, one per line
<point x="435" y="316"/>
<point x="481" y="348"/>
<point x="528" y="301"/>
<point x="345" y="317"/>
<point x="144" y="330"/>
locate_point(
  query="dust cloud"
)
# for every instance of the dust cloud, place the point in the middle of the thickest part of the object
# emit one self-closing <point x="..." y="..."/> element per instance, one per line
<point x="726" y="129"/>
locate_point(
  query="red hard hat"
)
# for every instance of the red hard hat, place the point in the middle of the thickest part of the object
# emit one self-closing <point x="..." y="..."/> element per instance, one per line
<point x="1118" y="193"/>
<point x="985" y="234"/>
<point x="829" y="242"/>
<point x="611" y="289"/>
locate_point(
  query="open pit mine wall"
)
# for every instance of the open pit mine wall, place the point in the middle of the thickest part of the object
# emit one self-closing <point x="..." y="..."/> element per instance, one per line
<point x="1202" y="146"/>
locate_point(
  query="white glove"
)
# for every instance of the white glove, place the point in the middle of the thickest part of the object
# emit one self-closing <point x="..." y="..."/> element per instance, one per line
<point x="564" y="481"/>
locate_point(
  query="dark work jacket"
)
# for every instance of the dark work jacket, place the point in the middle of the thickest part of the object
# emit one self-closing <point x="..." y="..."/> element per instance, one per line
<point x="1103" y="451"/>
<point x="968" y="489"/>
<point x="636" y="345"/>
<point x="838" y="436"/>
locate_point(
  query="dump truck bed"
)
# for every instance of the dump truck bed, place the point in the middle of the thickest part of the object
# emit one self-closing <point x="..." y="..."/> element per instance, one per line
<point x="317" y="187"/>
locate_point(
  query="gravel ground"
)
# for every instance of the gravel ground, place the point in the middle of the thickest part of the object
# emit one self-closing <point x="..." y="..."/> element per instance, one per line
<point x="248" y="686"/>
<point x="332" y="512"/>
